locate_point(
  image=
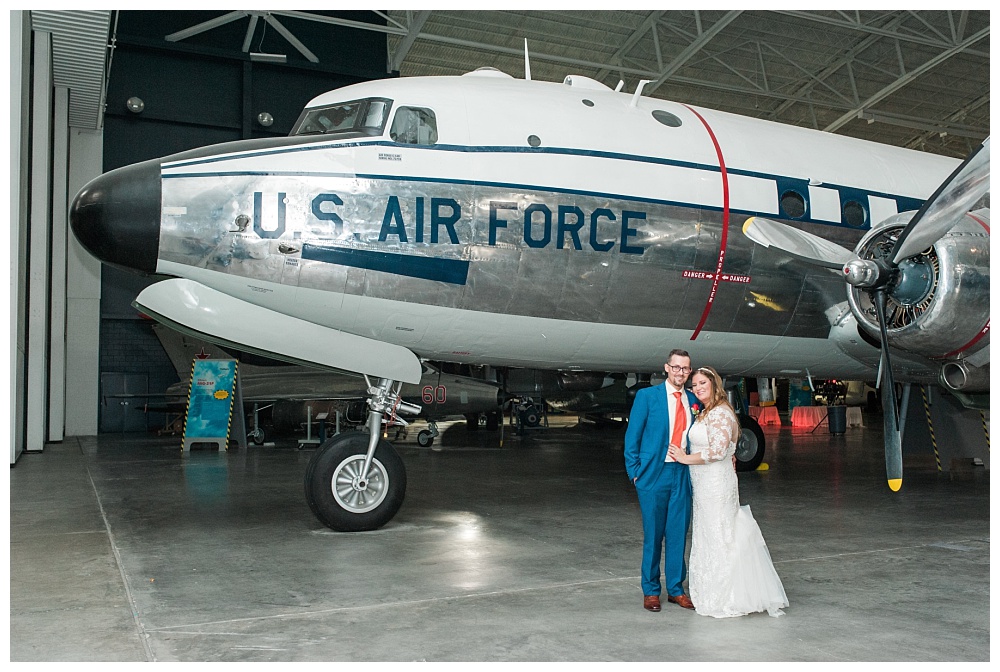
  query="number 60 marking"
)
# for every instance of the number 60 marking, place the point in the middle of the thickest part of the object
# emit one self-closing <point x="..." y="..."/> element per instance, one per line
<point x="431" y="394"/>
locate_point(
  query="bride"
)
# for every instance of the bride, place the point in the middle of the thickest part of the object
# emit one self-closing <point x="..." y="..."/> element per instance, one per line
<point x="729" y="571"/>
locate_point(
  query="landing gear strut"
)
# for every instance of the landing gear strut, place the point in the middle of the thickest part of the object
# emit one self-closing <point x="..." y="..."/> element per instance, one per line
<point x="356" y="481"/>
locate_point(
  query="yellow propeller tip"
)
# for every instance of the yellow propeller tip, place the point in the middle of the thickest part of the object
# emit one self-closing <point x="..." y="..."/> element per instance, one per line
<point x="895" y="484"/>
<point x="746" y="224"/>
<point x="763" y="467"/>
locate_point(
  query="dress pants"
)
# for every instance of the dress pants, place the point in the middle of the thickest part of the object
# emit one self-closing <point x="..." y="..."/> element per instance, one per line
<point x="666" y="516"/>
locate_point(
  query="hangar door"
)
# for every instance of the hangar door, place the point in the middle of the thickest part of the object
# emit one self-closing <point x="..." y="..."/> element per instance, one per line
<point x="123" y="401"/>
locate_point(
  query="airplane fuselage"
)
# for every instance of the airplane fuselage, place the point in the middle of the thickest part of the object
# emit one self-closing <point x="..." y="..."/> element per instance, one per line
<point x="545" y="223"/>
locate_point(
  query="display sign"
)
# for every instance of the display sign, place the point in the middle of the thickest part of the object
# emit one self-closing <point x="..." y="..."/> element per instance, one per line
<point x="210" y="402"/>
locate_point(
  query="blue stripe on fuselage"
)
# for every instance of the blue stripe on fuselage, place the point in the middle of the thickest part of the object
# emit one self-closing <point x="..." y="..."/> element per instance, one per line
<point x="452" y="271"/>
<point x="905" y="203"/>
<point x="529" y="188"/>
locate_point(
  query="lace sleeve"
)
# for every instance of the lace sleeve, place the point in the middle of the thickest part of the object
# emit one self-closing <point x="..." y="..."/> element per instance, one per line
<point x="721" y="435"/>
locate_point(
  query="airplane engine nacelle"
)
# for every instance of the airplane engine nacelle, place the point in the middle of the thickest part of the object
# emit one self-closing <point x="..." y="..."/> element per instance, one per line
<point x="939" y="305"/>
<point x="583" y="381"/>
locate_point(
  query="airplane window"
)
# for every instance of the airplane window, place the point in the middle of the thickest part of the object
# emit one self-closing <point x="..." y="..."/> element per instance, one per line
<point x="588" y="103"/>
<point x="667" y="119"/>
<point x="854" y="213"/>
<point x="793" y="204"/>
<point x="377" y="112"/>
<point x="330" y="119"/>
<point x="357" y="116"/>
<point x="534" y="140"/>
<point x="414" y="126"/>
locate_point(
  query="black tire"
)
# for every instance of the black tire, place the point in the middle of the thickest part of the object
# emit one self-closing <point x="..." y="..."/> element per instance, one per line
<point x="425" y="439"/>
<point x="347" y="508"/>
<point x="530" y="416"/>
<point x="492" y="421"/>
<point x="750" y="447"/>
<point x="257" y="436"/>
<point x="472" y="422"/>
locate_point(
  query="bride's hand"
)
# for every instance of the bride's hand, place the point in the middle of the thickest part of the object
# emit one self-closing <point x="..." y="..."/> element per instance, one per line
<point x="676" y="454"/>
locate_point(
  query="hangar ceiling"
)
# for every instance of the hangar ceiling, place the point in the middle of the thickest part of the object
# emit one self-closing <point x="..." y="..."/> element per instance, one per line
<point x="917" y="79"/>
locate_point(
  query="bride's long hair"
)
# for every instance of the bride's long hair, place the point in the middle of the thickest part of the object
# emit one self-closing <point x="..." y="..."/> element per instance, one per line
<point x="718" y="397"/>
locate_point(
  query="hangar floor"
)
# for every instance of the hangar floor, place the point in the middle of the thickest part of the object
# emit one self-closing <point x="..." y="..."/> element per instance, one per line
<point x="123" y="549"/>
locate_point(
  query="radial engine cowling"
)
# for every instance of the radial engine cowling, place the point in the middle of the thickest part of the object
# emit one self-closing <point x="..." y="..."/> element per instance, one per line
<point x="939" y="306"/>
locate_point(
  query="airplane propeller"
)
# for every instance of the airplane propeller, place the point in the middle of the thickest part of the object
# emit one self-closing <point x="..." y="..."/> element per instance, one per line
<point x="882" y="274"/>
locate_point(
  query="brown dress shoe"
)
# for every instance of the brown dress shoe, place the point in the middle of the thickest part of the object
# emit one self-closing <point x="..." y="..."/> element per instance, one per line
<point x="651" y="602"/>
<point x="682" y="600"/>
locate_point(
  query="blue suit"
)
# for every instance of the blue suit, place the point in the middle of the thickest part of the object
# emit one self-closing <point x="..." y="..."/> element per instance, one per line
<point x="664" y="489"/>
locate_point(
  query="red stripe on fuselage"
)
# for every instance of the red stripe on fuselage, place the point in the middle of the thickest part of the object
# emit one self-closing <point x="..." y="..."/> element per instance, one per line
<point x="982" y="332"/>
<point x="725" y="225"/>
<point x="986" y="328"/>
<point x="981" y="222"/>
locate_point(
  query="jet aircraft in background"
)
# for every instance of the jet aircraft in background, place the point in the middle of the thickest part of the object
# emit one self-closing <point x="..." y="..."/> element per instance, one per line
<point x="296" y="394"/>
<point x="489" y="220"/>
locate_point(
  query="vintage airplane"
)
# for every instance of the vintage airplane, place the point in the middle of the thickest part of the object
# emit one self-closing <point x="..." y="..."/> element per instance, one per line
<point x="491" y="220"/>
<point x="295" y="395"/>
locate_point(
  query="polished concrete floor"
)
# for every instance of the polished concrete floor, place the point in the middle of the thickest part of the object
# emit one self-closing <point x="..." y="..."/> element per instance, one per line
<point x="124" y="549"/>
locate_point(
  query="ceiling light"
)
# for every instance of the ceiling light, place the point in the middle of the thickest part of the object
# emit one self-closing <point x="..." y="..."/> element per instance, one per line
<point x="267" y="58"/>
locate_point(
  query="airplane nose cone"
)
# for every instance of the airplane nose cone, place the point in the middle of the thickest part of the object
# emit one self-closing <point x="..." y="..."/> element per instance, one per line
<point x="117" y="216"/>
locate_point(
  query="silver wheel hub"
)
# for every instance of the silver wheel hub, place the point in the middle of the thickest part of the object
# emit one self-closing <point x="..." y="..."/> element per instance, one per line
<point x="356" y="492"/>
<point x="746" y="447"/>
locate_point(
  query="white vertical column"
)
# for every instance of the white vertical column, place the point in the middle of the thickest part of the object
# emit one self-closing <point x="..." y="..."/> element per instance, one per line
<point x="20" y="76"/>
<point x="38" y="243"/>
<point x="57" y="292"/>
<point x="83" y="297"/>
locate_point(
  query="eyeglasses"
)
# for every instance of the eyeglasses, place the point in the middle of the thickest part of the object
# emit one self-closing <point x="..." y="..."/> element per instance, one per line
<point x="680" y="369"/>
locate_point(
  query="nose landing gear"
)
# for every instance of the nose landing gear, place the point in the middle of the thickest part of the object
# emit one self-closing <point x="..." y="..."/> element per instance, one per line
<point x="356" y="481"/>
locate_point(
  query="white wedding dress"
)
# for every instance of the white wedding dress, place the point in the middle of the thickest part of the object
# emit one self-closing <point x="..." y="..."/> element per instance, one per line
<point x="730" y="571"/>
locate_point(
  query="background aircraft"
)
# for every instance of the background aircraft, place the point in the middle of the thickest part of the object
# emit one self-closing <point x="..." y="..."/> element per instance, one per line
<point x="293" y="395"/>
<point x="565" y="226"/>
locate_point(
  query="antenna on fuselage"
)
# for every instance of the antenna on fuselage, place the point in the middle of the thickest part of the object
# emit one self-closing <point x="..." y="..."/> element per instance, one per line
<point x="638" y="92"/>
<point x="621" y="84"/>
<point x="527" y="63"/>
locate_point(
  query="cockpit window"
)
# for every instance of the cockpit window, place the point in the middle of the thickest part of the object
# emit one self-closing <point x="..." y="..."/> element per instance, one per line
<point x="365" y="116"/>
<point x="414" y="126"/>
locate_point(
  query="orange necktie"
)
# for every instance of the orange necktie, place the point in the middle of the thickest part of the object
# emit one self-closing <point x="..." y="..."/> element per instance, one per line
<point x="680" y="423"/>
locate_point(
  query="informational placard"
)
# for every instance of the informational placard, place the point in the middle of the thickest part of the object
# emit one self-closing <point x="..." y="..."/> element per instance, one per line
<point x="210" y="402"/>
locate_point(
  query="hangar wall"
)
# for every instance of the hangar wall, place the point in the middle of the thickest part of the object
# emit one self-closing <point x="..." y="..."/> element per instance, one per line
<point x="71" y="317"/>
<point x="83" y="298"/>
<point x="20" y="78"/>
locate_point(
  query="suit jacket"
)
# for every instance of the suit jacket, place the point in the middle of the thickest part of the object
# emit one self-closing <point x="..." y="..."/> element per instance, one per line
<point x="648" y="434"/>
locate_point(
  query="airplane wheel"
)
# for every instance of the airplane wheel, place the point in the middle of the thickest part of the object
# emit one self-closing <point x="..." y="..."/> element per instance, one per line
<point x="424" y="438"/>
<point x="472" y="422"/>
<point x="257" y="436"/>
<point x="492" y="421"/>
<point x="530" y="416"/>
<point x="340" y="497"/>
<point x="750" y="446"/>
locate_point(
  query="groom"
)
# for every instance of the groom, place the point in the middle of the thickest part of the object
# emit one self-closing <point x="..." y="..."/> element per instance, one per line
<point x="661" y="416"/>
